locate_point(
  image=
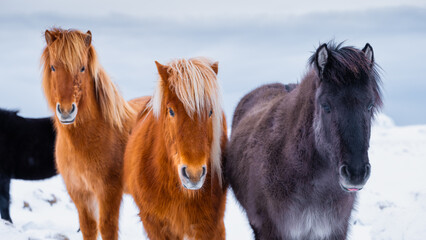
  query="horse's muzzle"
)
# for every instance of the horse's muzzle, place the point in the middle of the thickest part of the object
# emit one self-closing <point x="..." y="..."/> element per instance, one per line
<point x="192" y="180"/>
<point x="354" y="180"/>
<point x="66" y="117"/>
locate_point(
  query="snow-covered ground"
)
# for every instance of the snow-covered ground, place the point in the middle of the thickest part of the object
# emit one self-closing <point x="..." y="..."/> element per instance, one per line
<point x="391" y="206"/>
<point x="393" y="203"/>
<point x="43" y="210"/>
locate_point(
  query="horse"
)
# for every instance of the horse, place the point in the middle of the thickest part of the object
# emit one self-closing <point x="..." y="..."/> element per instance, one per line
<point x="93" y="123"/>
<point x="26" y="152"/>
<point x="174" y="156"/>
<point x="297" y="154"/>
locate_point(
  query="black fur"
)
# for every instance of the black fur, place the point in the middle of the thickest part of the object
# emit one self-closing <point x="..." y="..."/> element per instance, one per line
<point x="26" y="152"/>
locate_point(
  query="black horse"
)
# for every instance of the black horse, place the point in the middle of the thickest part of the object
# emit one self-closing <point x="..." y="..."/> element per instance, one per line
<point x="26" y="152"/>
<point x="298" y="154"/>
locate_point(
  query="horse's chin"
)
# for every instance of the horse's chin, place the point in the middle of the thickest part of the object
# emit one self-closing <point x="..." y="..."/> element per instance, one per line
<point x="192" y="186"/>
<point x="67" y="122"/>
<point x="351" y="189"/>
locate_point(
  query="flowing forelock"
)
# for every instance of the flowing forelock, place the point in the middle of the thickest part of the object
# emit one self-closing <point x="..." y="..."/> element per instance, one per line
<point x="348" y="65"/>
<point x="195" y="84"/>
<point x="70" y="50"/>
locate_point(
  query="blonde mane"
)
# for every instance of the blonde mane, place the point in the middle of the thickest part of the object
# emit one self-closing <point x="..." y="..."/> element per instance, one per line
<point x="70" y="49"/>
<point x="195" y="84"/>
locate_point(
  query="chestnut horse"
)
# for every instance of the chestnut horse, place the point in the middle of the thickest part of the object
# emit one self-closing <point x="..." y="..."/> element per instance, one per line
<point x="93" y="123"/>
<point x="172" y="162"/>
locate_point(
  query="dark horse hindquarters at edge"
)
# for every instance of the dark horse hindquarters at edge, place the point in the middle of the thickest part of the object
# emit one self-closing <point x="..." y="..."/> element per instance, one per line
<point x="26" y="152"/>
<point x="297" y="155"/>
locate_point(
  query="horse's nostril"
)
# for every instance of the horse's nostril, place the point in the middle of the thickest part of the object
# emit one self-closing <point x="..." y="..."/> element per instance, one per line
<point x="344" y="171"/>
<point x="184" y="173"/>
<point x="367" y="171"/>
<point x="58" y="107"/>
<point x="204" y="171"/>
<point x="72" y="108"/>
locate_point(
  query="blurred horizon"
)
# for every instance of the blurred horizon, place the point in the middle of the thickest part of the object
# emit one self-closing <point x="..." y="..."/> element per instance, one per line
<point x="255" y="43"/>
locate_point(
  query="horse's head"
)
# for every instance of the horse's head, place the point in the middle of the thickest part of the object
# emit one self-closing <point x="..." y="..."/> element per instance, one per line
<point x="347" y="97"/>
<point x="68" y="70"/>
<point x="187" y="104"/>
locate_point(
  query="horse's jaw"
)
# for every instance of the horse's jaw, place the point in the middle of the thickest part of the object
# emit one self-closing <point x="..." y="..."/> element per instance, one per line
<point x="350" y="189"/>
<point x="192" y="186"/>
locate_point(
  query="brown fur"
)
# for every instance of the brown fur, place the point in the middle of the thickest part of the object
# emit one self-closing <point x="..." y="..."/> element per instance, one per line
<point x="89" y="152"/>
<point x="160" y="143"/>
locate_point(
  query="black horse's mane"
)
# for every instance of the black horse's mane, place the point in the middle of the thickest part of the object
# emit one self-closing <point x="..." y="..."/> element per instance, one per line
<point x="348" y="65"/>
<point x="5" y="112"/>
<point x="8" y="118"/>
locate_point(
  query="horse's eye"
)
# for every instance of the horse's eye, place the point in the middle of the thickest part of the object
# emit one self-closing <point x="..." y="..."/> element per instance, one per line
<point x="370" y="107"/>
<point x="326" y="108"/>
<point x="82" y="69"/>
<point x="52" y="68"/>
<point x="171" y="112"/>
<point x="210" y="113"/>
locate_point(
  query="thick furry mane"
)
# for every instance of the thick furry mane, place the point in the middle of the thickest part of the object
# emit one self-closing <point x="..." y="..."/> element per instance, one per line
<point x="195" y="84"/>
<point x="348" y="65"/>
<point x="70" y="49"/>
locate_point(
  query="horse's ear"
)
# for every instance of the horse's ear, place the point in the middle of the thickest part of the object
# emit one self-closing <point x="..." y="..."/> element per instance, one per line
<point x="163" y="71"/>
<point x="88" y="38"/>
<point x="321" y="58"/>
<point x="50" y="37"/>
<point x="215" y="67"/>
<point x="369" y="54"/>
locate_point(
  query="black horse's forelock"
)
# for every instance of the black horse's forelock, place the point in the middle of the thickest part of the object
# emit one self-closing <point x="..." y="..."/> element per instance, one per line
<point x="349" y="66"/>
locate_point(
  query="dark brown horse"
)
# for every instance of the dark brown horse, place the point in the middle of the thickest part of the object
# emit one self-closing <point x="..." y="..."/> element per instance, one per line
<point x="298" y="155"/>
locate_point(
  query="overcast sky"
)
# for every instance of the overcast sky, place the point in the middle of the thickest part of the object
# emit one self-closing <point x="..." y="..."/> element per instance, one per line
<point x="196" y="8"/>
<point x="255" y="42"/>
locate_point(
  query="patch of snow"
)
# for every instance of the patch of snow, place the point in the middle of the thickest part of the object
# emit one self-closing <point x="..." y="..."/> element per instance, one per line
<point x="383" y="121"/>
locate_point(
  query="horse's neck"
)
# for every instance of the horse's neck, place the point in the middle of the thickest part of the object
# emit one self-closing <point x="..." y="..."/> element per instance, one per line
<point x="298" y="107"/>
<point x="305" y="107"/>
<point x="305" y="95"/>
<point x="299" y="113"/>
<point x="89" y="126"/>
